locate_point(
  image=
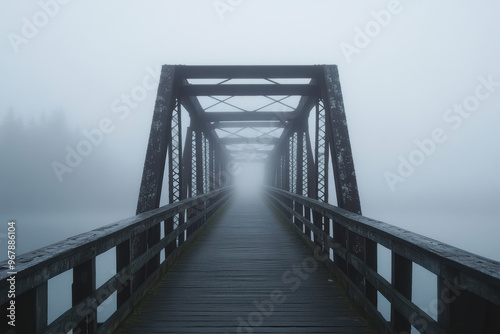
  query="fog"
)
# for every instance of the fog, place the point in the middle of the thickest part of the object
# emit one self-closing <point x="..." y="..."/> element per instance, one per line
<point x="250" y="178"/>
<point x="420" y="79"/>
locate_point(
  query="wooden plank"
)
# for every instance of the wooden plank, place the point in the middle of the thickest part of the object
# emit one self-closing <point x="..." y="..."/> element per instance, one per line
<point x="250" y="273"/>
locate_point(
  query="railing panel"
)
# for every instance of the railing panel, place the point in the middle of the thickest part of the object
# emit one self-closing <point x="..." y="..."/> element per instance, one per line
<point x="469" y="285"/>
<point x="79" y="253"/>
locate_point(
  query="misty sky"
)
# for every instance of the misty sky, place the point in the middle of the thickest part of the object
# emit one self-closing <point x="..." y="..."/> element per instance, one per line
<point x="411" y="72"/>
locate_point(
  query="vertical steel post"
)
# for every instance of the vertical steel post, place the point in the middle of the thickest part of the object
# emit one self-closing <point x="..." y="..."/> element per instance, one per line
<point x="287" y="183"/>
<point x="345" y="177"/>
<point x="300" y="166"/>
<point x="175" y="175"/>
<point x="292" y="170"/>
<point x="279" y="172"/>
<point x="321" y="167"/>
<point x="200" y="161"/>
<point x="193" y="138"/>
<point x="152" y="178"/>
<point x="312" y="178"/>
<point x="187" y="175"/>
<point x="211" y="167"/>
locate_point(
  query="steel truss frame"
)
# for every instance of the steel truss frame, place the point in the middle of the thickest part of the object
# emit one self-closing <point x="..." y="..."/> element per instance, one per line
<point x="295" y="163"/>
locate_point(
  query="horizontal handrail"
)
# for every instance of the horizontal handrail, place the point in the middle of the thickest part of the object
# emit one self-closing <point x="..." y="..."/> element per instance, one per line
<point x="35" y="267"/>
<point x="470" y="272"/>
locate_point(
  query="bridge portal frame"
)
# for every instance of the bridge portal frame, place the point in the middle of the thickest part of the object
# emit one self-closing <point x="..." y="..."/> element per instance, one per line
<point x="298" y="170"/>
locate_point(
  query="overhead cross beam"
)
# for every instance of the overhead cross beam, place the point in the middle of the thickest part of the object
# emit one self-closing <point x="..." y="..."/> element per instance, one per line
<point x="249" y="90"/>
<point x="263" y="140"/>
<point x="248" y="124"/>
<point x="249" y="116"/>
<point x="249" y="72"/>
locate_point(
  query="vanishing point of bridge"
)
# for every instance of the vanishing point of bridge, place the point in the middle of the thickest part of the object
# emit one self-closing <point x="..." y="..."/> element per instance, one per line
<point x="213" y="261"/>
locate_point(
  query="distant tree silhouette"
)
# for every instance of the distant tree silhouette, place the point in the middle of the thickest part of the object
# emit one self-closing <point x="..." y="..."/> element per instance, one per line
<point x="26" y="150"/>
<point x="27" y="179"/>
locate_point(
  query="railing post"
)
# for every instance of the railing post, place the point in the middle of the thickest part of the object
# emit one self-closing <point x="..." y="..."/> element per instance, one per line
<point x="84" y="285"/>
<point x="402" y="282"/>
<point x="122" y="260"/>
<point x="30" y="312"/>
<point x="461" y="311"/>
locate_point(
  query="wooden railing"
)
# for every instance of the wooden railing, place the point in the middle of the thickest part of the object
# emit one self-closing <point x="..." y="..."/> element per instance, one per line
<point x="33" y="270"/>
<point x="468" y="286"/>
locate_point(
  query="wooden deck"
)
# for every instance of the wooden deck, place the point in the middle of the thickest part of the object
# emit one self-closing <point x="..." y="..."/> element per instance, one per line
<point x="248" y="273"/>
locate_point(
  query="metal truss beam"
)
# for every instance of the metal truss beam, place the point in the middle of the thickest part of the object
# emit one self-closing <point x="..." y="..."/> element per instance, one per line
<point x="249" y="116"/>
<point x="160" y="140"/>
<point x="256" y="124"/>
<point x="345" y="180"/>
<point x="249" y="150"/>
<point x="249" y="141"/>
<point x="321" y="153"/>
<point x="249" y="90"/>
<point x="342" y="159"/>
<point x="198" y="115"/>
<point x="302" y="112"/>
<point x="249" y="72"/>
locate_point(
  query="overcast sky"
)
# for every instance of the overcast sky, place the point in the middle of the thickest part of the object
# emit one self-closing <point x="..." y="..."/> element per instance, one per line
<point x="411" y="71"/>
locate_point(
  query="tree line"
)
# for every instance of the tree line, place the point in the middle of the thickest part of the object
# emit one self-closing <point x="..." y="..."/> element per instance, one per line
<point x="28" y="149"/>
